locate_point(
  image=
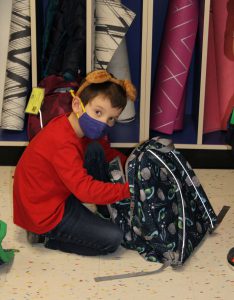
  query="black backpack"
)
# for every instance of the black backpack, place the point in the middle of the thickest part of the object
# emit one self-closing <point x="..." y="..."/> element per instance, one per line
<point x="168" y="213"/>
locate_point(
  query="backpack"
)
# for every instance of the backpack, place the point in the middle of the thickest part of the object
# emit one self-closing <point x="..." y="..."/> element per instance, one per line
<point x="168" y="213"/>
<point x="57" y="101"/>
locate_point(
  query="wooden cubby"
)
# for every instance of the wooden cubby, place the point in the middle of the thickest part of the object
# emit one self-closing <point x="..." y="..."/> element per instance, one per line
<point x="145" y="39"/>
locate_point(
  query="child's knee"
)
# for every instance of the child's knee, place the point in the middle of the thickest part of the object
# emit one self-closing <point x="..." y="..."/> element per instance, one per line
<point x="115" y="239"/>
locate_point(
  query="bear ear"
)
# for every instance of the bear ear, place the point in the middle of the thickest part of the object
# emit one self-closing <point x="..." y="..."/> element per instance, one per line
<point x="98" y="76"/>
<point x="130" y="89"/>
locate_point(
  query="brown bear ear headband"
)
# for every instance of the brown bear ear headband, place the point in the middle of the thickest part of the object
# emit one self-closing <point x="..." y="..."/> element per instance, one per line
<point x="100" y="76"/>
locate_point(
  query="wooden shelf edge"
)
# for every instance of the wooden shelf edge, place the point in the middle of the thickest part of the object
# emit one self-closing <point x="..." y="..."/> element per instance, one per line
<point x="124" y="145"/>
<point x="202" y="147"/>
<point x="178" y="146"/>
<point x="12" y="144"/>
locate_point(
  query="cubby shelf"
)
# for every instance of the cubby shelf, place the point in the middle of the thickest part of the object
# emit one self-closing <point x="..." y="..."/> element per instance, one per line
<point x="129" y="135"/>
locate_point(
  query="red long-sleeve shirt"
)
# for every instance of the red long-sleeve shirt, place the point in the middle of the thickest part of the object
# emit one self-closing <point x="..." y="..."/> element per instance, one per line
<point x="50" y="169"/>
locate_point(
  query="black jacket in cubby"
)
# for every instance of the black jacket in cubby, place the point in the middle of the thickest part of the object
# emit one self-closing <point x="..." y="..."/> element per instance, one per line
<point x="64" y="38"/>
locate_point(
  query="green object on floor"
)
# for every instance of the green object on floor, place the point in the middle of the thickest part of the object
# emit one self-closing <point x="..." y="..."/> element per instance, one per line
<point x="232" y="118"/>
<point x="6" y="255"/>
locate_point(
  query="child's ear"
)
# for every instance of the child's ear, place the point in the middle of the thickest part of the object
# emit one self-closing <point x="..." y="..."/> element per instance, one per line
<point x="76" y="106"/>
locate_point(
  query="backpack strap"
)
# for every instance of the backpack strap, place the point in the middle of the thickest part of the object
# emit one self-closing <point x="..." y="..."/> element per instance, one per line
<point x="171" y="260"/>
<point x="134" y="274"/>
<point x="220" y="217"/>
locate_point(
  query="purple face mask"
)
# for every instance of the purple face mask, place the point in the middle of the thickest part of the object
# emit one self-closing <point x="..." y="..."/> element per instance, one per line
<point x="92" y="128"/>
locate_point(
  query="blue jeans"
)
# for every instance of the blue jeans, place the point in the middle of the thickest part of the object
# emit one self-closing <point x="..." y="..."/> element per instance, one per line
<point x="81" y="231"/>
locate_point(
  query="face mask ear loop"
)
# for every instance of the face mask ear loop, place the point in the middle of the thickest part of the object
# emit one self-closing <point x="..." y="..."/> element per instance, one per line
<point x="72" y="93"/>
<point x="81" y="103"/>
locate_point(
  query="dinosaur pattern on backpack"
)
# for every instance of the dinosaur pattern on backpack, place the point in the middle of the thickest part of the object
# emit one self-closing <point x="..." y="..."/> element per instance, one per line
<point x="168" y="213"/>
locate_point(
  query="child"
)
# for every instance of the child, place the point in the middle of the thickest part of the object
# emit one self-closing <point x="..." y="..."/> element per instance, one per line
<point x="51" y="182"/>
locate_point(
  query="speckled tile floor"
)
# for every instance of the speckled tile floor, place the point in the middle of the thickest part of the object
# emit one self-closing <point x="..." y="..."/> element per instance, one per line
<point x="39" y="273"/>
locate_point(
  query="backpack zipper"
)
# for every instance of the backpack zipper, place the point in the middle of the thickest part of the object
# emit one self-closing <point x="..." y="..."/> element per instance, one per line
<point x="211" y="222"/>
<point x="182" y="202"/>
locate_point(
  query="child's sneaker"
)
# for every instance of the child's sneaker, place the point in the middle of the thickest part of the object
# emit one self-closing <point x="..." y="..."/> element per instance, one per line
<point x="34" y="238"/>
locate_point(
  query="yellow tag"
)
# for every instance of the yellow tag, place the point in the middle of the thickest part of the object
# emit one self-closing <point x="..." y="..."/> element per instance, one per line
<point x="35" y="101"/>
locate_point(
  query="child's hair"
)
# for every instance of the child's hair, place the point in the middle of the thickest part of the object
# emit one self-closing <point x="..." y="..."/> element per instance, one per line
<point x="100" y="82"/>
<point x="115" y="93"/>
